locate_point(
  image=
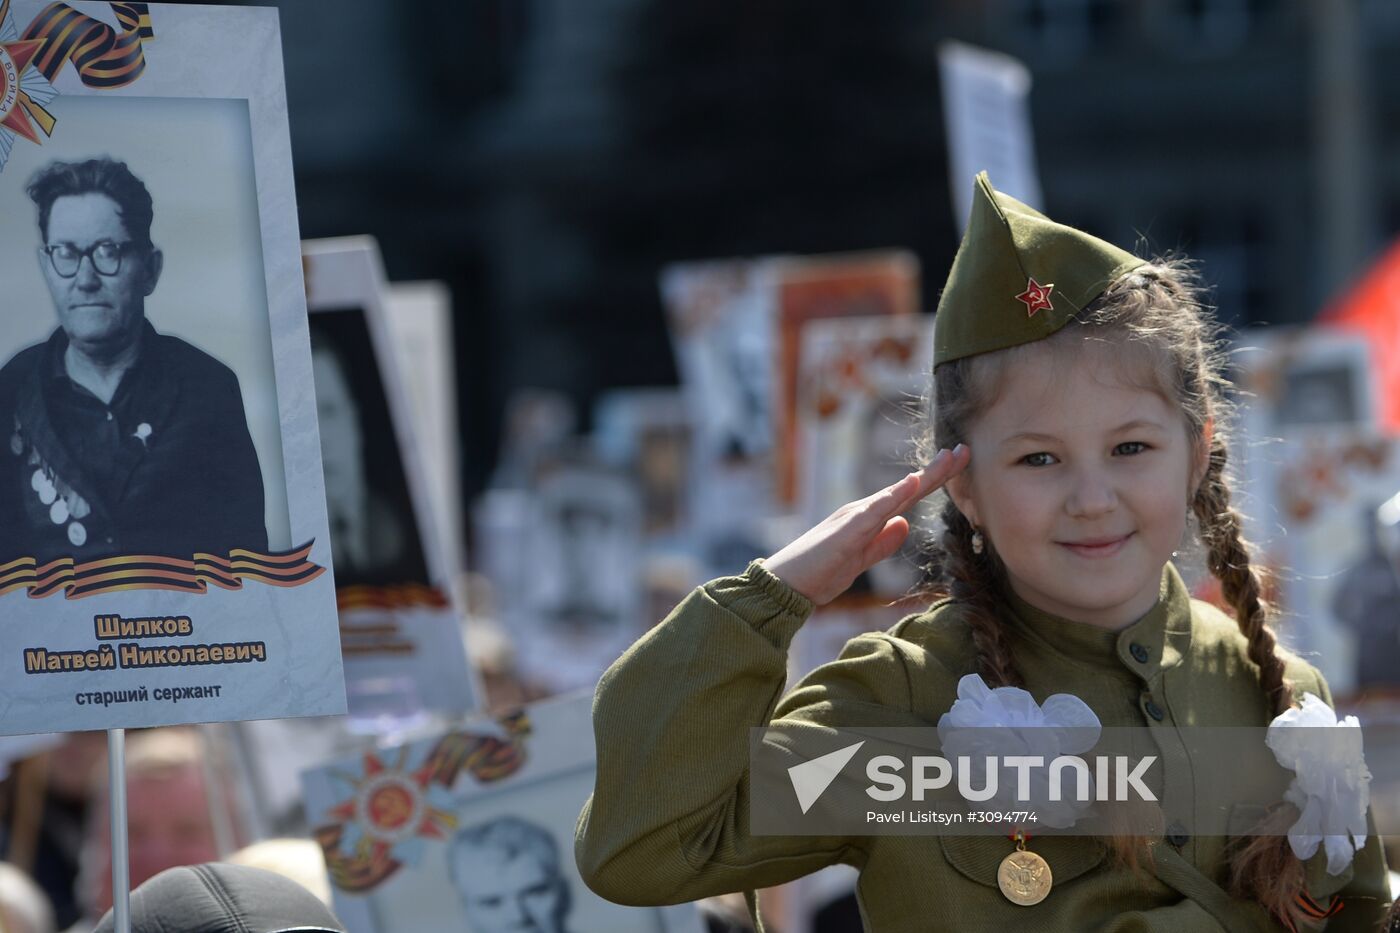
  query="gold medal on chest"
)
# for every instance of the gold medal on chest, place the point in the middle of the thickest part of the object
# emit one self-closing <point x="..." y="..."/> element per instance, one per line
<point x="1024" y="877"/>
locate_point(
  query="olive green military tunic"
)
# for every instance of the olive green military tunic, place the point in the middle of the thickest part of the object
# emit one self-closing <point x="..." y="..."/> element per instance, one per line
<point x="669" y="818"/>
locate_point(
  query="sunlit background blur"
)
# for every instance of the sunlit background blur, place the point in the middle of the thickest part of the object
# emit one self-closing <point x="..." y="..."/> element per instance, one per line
<point x="553" y="163"/>
<point x="547" y="158"/>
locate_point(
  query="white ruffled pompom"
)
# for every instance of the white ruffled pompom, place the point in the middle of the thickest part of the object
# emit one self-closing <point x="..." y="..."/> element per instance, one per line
<point x="1007" y="721"/>
<point x="1331" y="786"/>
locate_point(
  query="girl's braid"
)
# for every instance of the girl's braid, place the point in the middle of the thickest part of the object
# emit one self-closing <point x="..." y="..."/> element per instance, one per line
<point x="969" y="577"/>
<point x="1264" y="868"/>
<point x="1228" y="559"/>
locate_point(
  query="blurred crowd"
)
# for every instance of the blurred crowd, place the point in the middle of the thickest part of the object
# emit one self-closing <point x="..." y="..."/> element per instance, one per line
<point x="181" y="810"/>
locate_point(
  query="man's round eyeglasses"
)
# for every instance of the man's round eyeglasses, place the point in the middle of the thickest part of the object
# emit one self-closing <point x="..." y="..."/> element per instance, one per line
<point x="106" y="257"/>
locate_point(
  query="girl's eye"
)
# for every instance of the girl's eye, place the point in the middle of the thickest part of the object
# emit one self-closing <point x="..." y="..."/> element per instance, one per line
<point x="1037" y="459"/>
<point x="1138" y="447"/>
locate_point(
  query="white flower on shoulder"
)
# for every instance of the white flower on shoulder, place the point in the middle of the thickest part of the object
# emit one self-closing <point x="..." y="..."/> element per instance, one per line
<point x="1331" y="786"/>
<point x="1008" y="721"/>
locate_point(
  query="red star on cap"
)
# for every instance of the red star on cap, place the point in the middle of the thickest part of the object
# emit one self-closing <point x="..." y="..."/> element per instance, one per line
<point x="1036" y="296"/>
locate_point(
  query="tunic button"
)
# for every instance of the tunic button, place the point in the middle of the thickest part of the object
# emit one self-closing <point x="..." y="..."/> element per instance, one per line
<point x="1177" y="836"/>
<point x="1138" y="652"/>
<point x="1154" y="710"/>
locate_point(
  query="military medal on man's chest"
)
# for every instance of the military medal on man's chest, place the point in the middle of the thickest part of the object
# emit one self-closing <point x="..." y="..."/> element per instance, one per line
<point x="65" y="506"/>
<point x="1024" y="877"/>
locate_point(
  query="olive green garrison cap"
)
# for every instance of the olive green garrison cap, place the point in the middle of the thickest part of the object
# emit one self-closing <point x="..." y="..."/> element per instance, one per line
<point x="1018" y="276"/>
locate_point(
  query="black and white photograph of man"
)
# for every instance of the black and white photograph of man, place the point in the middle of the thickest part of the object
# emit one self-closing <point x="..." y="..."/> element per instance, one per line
<point x="508" y="876"/>
<point x="585" y="545"/>
<point x="118" y="439"/>
<point x="375" y="538"/>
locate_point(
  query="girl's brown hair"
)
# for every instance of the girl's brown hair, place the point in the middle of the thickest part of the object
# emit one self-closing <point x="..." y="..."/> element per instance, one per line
<point x="1154" y="316"/>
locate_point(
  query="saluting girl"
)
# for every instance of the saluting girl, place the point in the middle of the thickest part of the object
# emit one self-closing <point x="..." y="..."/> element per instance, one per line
<point x="1078" y="414"/>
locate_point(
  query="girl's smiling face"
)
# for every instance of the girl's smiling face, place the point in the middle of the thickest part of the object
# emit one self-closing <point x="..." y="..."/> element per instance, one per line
<point x="1080" y="478"/>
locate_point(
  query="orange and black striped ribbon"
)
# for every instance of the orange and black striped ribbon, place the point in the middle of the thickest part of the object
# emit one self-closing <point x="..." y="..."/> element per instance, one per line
<point x="103" y="57"/>
<point x="1314" y="911"/>
<point x="148" y="572"/>
<point x="486" y="757"/>
<point x="1317" y="911"/>
<point x="398" y="596"/>
<point x="359" y="871"/>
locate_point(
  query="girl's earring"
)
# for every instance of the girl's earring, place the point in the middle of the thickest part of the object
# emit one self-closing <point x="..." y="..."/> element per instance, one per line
<point x="978" y="542"/>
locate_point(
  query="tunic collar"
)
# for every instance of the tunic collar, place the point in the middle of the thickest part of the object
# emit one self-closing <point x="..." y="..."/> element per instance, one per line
<point x="57" y="345"/>
<point x="1154" y="643"/>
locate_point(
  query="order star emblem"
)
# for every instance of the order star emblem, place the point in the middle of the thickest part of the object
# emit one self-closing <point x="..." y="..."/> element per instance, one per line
<point x="14" y="58"/>
<point x="1036" y="296"/>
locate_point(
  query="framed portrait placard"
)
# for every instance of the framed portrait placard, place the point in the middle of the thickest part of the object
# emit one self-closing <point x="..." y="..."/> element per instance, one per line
<point x="859" y="411"/>
<point x="419" y="315"/>
<point x="471" y="828"/>
<point x="1295" y="383"/>
<point x="736" y="326"/>
<point x="400" y="626"/>
<point x="1319" y="484"/>
<point x="584" y="604"/>
<point x="1305" y="379"/>
<point x="164" y="549"/>
<point x="839" y="285"/>
<point x="1338" y="500"/>
<point x="722" y="317"/>
<point x="649" y="432"/>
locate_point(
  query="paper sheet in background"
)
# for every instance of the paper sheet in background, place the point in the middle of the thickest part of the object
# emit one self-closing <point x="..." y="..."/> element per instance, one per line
<point x="986" y="113"/>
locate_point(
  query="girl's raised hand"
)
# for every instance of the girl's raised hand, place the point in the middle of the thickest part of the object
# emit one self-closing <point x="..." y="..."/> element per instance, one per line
<point x="825" y="561"/>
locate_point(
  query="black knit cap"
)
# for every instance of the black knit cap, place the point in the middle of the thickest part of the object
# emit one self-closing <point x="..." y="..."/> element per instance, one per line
<point x="220" y="898"/>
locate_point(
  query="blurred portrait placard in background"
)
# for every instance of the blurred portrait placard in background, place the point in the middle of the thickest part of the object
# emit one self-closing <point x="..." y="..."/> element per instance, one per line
<point x="1341" y="558"/>
<point x="163" y="538"/>
<point x="1301" y="379"/>
<point x="817" y="288"/>
<point x="1324" y="479"/>
<point x="648" y="432"/>
<point x="858" y="410"/>
<point x="400" y="629"/>
<point x="736" y="326"/>
<point x="471" y="829"/>
<point x="585" y="602"/>
<point x="722" y="317"/>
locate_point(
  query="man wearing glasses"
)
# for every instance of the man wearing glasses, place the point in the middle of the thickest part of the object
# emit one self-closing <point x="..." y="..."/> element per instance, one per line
<point x="117" y="439"/>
